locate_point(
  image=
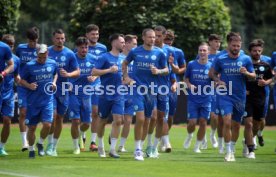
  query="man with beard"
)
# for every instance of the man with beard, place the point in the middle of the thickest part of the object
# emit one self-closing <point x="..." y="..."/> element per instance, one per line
<point x="233" y="69"/>
<point x="255" y="97"/>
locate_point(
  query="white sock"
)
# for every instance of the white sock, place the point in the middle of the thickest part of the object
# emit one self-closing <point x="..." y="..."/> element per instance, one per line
<point x="204" y="139"/>
<point x="93" y="137"/>
<point x="101" y="142"/>
<point x="40" y="141"/>
<point x="138" y="144"/>
<point x="232" y="143"/>
<point x="220" y="141"/>
<point x="156" y="141"/>
<point x="254" y="140"/>
<point x="228" y="147"/>
<point x="2" y="145"/>
<point x="113" y="144"/>
<point x="190" y="135"/>
<point x="55" y="142"/>
<point x="24" y="138"/>
<point x="122" y="141"/>
<point x="198" y="143"/>
<point x="149" y="140"/>
<point x="76" y="143"/>
<point x="51" y="138"/>
<point x="31" y="148"/>
<point x="142" y="144"/>
<point x="165" y="139"/>
<point x="260" y="133"/>
<point x="213" y="132"/>
<point x="82" y="134"/>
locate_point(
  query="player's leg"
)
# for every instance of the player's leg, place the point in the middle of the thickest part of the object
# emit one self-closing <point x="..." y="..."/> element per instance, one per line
<point x="94" y="123"/>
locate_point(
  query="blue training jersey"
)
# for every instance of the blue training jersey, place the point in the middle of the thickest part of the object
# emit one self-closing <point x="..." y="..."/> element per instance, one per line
<point x="180" y="59"/>
<point x="86" y="65"/>
<point x="65" y="59"/>
<point x="198" y="76"/>
<point x="7" y="90"/>
<point x="5" y="55"/>
<point x="142" y="62"/>
<point x="42" y="75"/>
<point x="97" y="50"/>
<point x="229" y="68"/>
<point x="165" y="80"/>
<point x="110" y="81"/>
<point x="25" y="54"/>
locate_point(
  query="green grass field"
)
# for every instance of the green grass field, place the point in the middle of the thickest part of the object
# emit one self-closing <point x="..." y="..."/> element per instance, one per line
<point x="179" y="162"/>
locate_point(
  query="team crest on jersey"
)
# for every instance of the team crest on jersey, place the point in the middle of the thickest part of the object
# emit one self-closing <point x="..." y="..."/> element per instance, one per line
<point x="88" y="64"/>
<point x="49" y="69"/>
<point x="261" y="68"/>
<point x="153" y="57"/>
<point x="62" y="58"/>
<point x="35" y="54"/>
<point x="97" y="51"/>
<point x="206" y="71"/>
<point x="239" y="63"/>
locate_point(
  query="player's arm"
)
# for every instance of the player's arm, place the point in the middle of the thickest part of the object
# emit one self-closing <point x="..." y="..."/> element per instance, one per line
<point x="214" y="75"/>
<point x="250" y="75"/>
<point x="126" y="79"/>
<point x="173" y="82"/>
<point x="73" y="74"/>
<point x="31" y="86"/>
<point x="181" y="69"/>
<point x="100" y="72"/>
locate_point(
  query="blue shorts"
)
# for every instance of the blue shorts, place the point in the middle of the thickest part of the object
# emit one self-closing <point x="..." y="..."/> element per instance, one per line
<point x="7" y="107"/>
<point x="235" y="108"/>
<point x="196" y="110"/>
<point x="129" y="108"/>
<point x="214" y="105"/>
<point x="36" y="114"/>
<point x="61" y="103"/>
<point x="22" y="97"/>
<point x="80" y="108"/>
<point x="144" y="103"/>
<point x="172" y="103"/>
<point x="106" y="107"/>
<point x="94" y="99"/>
<point x="163" y="103"/>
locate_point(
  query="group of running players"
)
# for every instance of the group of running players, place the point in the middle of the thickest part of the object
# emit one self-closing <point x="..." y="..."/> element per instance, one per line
<point x="89" y="83"/>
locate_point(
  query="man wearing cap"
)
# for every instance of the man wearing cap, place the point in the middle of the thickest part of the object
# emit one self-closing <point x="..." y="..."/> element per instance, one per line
<point x="39" y="77"/>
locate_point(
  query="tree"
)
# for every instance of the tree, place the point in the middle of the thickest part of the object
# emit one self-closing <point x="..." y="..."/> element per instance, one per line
<point x="9" y="15"/>
<point x="193" y="20"/>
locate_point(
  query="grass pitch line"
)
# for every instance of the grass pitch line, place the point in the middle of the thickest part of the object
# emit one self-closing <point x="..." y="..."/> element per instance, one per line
<point x="14" y="174"/>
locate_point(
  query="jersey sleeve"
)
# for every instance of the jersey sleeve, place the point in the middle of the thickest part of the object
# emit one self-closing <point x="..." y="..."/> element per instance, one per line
<point x="130" y="56"/>
<point x="249" y="65"/>
<point x="101" y="62"/>
<point x="163" y="61"/>
<point x="73" y="62"/>
<point x="8" y="54"/>
<point x="188" y="71"/>
<point x="25" y="73"/>
<point x="16" y="64"/>
<point x="216" y="65"/>
<point x="180" y="58"/>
